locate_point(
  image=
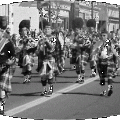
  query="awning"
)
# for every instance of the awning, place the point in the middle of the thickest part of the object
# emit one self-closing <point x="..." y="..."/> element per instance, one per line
<point x="34" y="3"/>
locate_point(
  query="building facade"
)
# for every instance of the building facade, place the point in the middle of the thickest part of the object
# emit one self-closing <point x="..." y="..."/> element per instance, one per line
<point x="83" y="9"/>
<point x="108" y="17"/>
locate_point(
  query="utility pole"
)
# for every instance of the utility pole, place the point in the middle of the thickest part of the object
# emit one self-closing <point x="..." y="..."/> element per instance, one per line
<point x="119" y="16"/>
<point x="50" y="12"/>
<point x="92" y="9"/>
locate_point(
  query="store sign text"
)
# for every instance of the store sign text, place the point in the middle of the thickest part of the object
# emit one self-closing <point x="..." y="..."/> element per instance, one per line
<point x="113" y="13"/>
<point x="63" y="13"/>
<point x="60" y="6"/>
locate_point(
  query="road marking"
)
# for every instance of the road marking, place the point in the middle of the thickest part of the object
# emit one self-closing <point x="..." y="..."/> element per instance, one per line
<point x="39" y="101"/>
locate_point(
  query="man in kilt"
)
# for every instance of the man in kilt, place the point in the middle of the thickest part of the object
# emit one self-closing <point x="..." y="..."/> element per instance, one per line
<point x="82" y="49"/>
<point x="7" y="58"/>
<point x="105" y="63"/>
<point x="91" y="24"/>
<point x="47" y="46"/>
<point x="114" y="40"/>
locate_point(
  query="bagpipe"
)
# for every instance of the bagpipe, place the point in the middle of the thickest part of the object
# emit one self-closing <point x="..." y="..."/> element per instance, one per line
<point x="104" y="50"/>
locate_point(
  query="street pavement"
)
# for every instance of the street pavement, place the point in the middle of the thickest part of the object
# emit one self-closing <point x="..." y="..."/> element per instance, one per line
<point x="70" y="100"/>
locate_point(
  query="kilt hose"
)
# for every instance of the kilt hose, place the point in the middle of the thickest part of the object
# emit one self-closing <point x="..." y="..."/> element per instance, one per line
<point x="92" y="58"/>
<point x="48" y="70"/>
<point x="81" y="62"/>
<point x="5" y="79"/>
<point x="73" y="56"/>
<point x="63" y="56"/>
<point x="105" y="69"/>
<point x="92" y="62"/>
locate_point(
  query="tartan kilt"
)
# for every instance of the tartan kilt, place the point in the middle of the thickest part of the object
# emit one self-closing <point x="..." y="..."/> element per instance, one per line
<point x="5" y="80"/>
<point x="82" y="59"/>
<point x="93" y="61"/>
<point x="110" y="67"/>
<point x="48" y="69"/>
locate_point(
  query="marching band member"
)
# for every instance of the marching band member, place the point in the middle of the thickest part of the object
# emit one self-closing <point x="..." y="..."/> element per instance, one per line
<point x="7" y="33"/>
<point x="28" y="63"/>
<point x="91" y="24"/>
<point x="82" y="44"/>
<point x="47" y="47"/>
<point x="7" y="58"/>
<point x="61" y="38"/>
<point x="72" y="51"/>
<point x="105" y="63"/>
<point x="114" y="41"/>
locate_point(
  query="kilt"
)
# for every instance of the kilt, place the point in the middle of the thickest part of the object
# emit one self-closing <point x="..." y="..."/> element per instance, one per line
<point x="82" y="59"/>
<point x="49" y="67"/>
<point x="109" y="69"/>
<point x="93" y="61"/>
<point x="27" y="69"/>
<point x="12" y="69"/>
<point x="5" y="80"/>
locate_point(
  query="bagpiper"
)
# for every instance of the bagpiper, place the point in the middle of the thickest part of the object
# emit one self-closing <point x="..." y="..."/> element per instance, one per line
<point x="24" y="27"/>
<point x="46" y="47"/>
<point x="7" y="58"/>
<point x="27" y="60"/>
<point x="71" y="50"/>
<point x="91" y="24"/>
<point x="82" y="45"/>
<point x="114" y="39"/>
<point x="105" y="63"/>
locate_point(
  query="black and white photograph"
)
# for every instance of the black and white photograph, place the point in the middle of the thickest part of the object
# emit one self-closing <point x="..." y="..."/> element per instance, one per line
<point x="59" y="59"/>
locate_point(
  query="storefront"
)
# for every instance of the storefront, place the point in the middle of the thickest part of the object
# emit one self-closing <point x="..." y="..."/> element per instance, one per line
<point x="62" y="8"/>
<point x="113" y="18"/>
<point x="83" y="10"/>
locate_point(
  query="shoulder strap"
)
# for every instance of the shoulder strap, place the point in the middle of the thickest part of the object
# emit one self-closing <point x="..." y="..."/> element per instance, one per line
<point x="2" y="43"/>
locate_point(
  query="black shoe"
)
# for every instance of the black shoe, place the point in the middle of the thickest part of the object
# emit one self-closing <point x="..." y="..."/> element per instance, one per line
<point x="2" y="108"/>
<point x="103" y="93"/>
<point x="1" y="112"/>
<point x="82" y="80"/>
<point x="77" y="81"/>
<point x="51" y="90"/>
<point x="110" y="90"/>
<point x="44" y="93"/>
<point x="25" y="81"/>
<point x="93" y="74"/>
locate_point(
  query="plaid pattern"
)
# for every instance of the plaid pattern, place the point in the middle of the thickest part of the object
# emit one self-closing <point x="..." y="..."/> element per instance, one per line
<point x="48" y="69"/>
<point x="5" y="80"/>
<point x="82" y="60"/>
<point x="110" y="66"/>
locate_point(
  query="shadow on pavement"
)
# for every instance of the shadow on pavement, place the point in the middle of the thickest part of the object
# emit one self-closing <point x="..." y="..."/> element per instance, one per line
<point x="66" y="76"/>
<point x="79" y="93"/>
<point x="107" y="81"/>
<point x="22" y="76"/>
<point x="26" y="83"/>
<point x="27" y="94"/>
<point x="65" y="82"/>
<point x="72" y="76"/>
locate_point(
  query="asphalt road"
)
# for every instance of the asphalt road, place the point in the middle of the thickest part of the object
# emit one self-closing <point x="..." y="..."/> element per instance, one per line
<point x="69" y="101"/>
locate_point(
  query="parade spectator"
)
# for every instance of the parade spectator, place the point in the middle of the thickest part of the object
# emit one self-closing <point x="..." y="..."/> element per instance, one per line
<point x="7" y="33"/>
